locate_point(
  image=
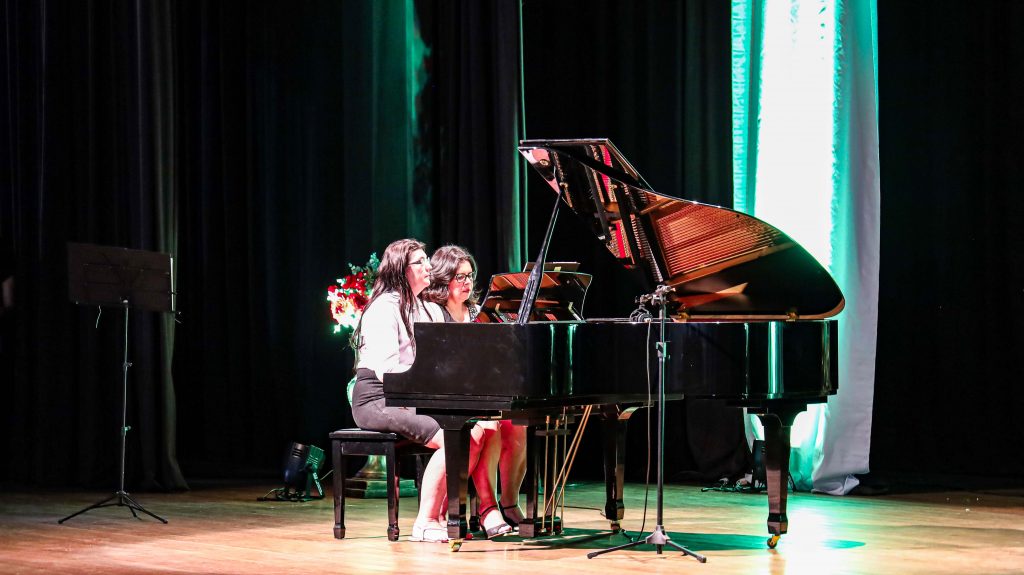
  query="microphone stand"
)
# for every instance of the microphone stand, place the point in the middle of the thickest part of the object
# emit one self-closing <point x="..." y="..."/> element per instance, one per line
<point x="659" y="537"/>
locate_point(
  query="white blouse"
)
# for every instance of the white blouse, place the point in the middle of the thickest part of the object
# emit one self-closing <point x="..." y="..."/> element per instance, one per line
<point x="386" y="344"/>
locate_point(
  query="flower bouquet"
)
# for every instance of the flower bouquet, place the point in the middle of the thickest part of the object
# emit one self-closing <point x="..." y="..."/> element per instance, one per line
<point x="349" y="296"/>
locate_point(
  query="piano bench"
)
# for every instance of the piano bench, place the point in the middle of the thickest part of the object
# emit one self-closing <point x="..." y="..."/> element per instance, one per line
<point x="359" y="442"/>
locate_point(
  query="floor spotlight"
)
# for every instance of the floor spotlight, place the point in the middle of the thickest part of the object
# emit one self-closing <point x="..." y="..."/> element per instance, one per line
<point x="301" y="474"/>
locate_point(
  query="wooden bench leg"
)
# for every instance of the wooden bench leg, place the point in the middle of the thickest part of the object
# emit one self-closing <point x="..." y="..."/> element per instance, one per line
<point x="342" y="449"/>
<point x="391" y="464"/>
<point x="339" y="489"/>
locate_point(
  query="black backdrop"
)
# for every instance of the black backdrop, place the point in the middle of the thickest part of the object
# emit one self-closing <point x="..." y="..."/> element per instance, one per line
<point x="86" y="147"/>
<point x="948" y="396"/>
<point x="259" y="137"/>
<point x="236" y="135"/>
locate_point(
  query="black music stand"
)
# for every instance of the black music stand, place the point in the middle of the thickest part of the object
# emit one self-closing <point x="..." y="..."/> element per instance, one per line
<point x="109" y="276"/>
<point x="659" y="537"/>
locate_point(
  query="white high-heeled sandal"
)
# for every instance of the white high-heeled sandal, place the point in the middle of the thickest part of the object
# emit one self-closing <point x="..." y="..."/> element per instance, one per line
<point x="429" y="533"/>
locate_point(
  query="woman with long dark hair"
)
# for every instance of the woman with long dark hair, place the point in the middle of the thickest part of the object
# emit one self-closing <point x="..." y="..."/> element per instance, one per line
<point x="385" y="342"/>
<point x="504" y="445"/>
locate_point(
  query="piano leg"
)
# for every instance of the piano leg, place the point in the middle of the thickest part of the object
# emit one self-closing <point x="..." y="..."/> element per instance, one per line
<point x="777" y="423"/>
<point x="614" y="422"/>
<point x="456" y="461"/>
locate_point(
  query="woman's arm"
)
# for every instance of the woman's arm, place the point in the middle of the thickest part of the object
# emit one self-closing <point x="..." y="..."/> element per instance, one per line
<point x="380" y="333"/>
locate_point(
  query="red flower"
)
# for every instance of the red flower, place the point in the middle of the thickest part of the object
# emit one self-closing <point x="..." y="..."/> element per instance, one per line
<point x="360" y="301"/>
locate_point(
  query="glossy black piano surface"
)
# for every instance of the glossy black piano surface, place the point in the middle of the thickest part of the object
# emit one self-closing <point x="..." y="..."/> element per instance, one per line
<point x="518" y="367"/>
<point x="748" y="325"/>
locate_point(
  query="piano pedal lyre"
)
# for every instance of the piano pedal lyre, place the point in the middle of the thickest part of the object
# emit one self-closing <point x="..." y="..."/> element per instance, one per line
<point x="560" y="452"/>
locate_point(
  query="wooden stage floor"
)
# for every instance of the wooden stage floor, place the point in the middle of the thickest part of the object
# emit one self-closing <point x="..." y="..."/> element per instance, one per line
<point x="223" y="529"/>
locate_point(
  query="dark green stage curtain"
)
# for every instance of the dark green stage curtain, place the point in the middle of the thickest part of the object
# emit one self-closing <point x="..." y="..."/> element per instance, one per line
<point x="475" y="125"/>
<point x="654" y="76"/>
<point x="278" y="194"/>
<point x="317" y="133"/>
<point x="88" y="154"/>
<point x="266" y="145"/>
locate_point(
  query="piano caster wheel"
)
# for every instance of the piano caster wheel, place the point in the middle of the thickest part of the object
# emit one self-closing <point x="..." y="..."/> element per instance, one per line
<point x="454" y="545"/>
<point x="773" y="541"/>
<point x="614" y="527"/>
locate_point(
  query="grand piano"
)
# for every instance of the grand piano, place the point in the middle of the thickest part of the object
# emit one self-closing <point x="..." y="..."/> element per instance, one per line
<point x="748" y="312"/>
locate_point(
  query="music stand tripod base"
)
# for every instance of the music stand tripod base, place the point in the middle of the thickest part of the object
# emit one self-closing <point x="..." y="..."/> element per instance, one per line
<point x="111" y="276"/>
<point x="123" y="500"/>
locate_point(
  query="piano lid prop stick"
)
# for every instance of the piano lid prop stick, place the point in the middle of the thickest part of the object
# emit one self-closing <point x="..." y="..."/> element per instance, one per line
<point x="533" y="284"/>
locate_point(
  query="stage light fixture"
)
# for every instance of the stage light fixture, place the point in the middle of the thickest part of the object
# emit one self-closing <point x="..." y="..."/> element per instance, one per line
<point x="301" y="473"/>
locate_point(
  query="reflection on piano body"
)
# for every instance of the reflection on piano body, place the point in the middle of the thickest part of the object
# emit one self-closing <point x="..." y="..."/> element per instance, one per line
<point x="749" y="326"/>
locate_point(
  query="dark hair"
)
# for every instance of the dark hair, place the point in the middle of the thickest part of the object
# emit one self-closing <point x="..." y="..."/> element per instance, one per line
<point x="391" y="278"/>
<point x="444" y="265"/>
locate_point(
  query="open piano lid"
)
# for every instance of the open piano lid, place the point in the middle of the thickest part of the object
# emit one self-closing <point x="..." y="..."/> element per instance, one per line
<point x="722" y="263"/>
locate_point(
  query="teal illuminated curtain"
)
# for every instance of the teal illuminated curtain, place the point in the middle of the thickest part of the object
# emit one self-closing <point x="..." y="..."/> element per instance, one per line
<point x="806" y="159"/>
<point x="387" y="73"/>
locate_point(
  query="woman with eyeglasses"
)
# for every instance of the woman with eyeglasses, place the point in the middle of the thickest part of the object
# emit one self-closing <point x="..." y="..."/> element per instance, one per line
<point x="385" y="343"/>
<point x="504" y="445"/>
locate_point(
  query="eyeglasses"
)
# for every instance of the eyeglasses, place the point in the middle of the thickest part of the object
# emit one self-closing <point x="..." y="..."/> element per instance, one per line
<point x="465" y="277"/>
<point x="418" y="262"/>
